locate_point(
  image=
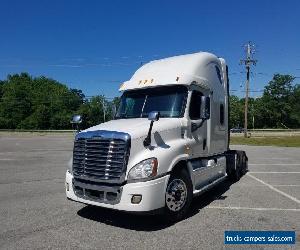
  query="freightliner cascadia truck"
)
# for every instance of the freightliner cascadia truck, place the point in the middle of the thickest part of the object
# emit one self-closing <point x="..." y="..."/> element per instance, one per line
<point x="168" y="142"/>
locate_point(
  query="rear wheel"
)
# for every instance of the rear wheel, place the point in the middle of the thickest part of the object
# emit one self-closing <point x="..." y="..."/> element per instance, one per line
<point x="236" y="173"/>
<point x="244" y="164"/>
<point x="237" y="164"/>
<point x="179" y="194"/>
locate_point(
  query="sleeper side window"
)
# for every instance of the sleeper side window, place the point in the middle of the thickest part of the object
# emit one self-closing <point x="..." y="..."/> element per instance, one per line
<point x="195" y="103"/>
<point x="222" y="114"/>
<point x="219" y="74"/>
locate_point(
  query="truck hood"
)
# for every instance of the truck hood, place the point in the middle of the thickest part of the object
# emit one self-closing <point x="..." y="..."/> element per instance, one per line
<point x="138" y="127"/>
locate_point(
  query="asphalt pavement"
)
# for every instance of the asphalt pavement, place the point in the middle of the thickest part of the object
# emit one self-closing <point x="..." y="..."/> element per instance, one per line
<point x="35" y="214"/>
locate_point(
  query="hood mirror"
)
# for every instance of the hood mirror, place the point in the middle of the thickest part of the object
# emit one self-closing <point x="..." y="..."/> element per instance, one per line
<point x="153" y="116"/>
<point x="76" y="120"/>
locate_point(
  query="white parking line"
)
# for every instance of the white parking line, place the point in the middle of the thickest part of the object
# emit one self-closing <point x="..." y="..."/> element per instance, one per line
<point x="274" y="158"/>
<point x="274" y="164"/>
<point x="261" y="172"/>
<point x="251" y="185"/>
<point x="286" y="185"/>
<point x="275" y="189"/>
<point x="256" y="208"/>
<point x="29" y="181"/>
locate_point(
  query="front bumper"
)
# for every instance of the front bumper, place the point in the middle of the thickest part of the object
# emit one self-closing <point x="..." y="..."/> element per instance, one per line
<point x="153" y="195"/>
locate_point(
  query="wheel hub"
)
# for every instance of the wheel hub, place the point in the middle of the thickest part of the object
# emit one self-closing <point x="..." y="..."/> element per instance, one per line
<point x="176" y="195"/>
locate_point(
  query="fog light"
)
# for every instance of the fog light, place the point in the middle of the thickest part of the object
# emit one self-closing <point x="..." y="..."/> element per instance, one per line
<point x="67" y="186"/>
<point x="136" y="198"/>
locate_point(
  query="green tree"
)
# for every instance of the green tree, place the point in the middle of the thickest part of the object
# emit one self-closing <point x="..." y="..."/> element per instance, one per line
<point x="277" y="99"/>
<point x="1" y="88"/>
<point x="92" y="111"/>
<point x="279" y="106"/>
<point x="257" y="113"/>
<point x="295" y="106"/>
<point x="37" y="103"/>
<point x="15" y="103"/>
<point x="236" y="112"/>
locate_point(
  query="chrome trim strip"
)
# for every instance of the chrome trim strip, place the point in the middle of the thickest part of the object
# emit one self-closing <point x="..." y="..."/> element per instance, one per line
<point x="209" y="186"/>
<point x="103" y="134"/>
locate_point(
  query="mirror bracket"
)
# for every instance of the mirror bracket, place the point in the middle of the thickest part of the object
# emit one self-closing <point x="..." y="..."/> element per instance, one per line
<point x="195" y="126"/>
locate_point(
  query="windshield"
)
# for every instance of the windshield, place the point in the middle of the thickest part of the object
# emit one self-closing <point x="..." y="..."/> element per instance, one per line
<point x="169" y="101"/>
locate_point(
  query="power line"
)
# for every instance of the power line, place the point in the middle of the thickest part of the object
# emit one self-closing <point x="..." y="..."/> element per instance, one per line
<point x="250" y="90"/>
<point x="250" y="49"/>
<point x="121" y="60"/>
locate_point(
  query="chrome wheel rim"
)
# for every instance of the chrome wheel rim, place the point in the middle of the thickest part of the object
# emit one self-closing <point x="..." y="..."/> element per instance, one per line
<point x="176" y="195"/>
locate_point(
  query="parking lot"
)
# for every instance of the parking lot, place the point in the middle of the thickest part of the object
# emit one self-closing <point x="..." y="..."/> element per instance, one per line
<point x="34" y="212"/>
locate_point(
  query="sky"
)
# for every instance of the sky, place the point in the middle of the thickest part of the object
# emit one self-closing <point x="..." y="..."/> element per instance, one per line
<point x="96" y="45"/>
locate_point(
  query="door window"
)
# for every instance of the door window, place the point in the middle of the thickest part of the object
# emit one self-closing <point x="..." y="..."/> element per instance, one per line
<point x="195" y="103"/>
<point x="221" y="114"/>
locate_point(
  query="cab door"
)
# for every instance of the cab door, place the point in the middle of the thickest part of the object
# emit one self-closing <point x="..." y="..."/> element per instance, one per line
<point x="197" y="126"/>
<point x="202" y="172"/>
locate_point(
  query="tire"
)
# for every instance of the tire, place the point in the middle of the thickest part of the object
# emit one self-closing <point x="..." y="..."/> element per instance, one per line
<point x="244" y="166"/>
<point x="235" y="174"/>
<point x="178" y="196"/>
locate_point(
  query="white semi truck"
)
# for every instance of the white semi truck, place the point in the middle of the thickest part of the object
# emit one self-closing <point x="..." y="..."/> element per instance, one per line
<point x="169" y="140"/>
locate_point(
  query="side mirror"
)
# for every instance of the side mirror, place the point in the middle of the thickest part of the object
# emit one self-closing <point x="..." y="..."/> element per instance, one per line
<point x="204" y="112"/>
<point x="205" y="108"/>
<point x="76" y="120"/>
<point x="153" y="116"/>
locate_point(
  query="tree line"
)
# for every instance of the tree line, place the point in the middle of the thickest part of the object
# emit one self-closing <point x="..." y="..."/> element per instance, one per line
<point x="278" y="107"/>
<point x="28" y="102"/>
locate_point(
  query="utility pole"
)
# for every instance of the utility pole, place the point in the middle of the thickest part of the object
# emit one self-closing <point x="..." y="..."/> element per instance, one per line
<point x="248" y="61"/>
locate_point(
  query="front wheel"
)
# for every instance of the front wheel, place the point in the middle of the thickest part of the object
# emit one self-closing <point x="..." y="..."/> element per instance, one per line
<point x="179" y="194"/>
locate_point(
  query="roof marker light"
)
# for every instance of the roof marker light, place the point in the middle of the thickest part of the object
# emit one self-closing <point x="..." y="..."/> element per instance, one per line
<point x="152" y="80"/>
<point x="145" y="81"/>
<point x="177" y="78"/>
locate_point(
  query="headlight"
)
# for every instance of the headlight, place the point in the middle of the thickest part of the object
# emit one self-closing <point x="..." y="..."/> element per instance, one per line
<point x="144" y="169"/>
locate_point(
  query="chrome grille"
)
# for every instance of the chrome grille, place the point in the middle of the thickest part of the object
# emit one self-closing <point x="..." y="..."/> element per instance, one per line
<point x="101" y="156"/>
